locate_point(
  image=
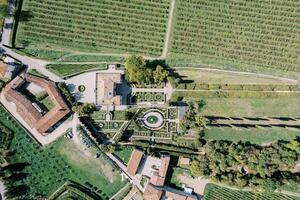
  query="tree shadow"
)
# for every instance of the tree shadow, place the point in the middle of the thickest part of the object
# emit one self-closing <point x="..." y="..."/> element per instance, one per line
<point x="25" y="15"/>
<point x="17" y="191"/>
<point x="16" y="166"/>
<point x="17" y="176"/>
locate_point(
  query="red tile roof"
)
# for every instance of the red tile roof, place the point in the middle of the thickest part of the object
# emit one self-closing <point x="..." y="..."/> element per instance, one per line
<point x="152" y="193"/>
<point x="134" y="161"/>
<point x="25" y="108"/>
<point x="159" y="179"/>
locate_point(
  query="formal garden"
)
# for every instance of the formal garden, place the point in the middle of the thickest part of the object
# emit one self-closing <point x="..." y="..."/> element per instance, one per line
<point x="137" y="123"/>
<point x="108" y="127"/>
<point x="147" y="97"/>
<point x="158" y="123"/>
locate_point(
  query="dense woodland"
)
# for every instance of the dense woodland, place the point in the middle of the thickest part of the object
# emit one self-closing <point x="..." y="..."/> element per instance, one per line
<point x="244" y="164"/>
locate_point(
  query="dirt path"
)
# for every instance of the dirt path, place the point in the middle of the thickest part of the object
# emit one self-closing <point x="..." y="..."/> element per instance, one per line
<point x="2" y="189"/>
<point x="169" y="30"/>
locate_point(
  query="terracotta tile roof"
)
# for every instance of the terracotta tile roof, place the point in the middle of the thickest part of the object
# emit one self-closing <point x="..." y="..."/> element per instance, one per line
<point x="3" y="68"/>
<point x="159" y="179"/>
<point x="152" y="193"/>
<point x="134" y="161"/>
<point x="31" y="116"/>
<point x="174" y="196"/>
<point x="184" y="161"/>
<point x="106" y="83"/>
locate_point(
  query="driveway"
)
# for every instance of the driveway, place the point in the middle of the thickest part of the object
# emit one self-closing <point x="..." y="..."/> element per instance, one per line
<point x="2" y="189"/>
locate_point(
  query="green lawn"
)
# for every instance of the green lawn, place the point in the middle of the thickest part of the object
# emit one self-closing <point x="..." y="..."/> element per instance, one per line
<point x="46" y="54"/>
<point x="177" y="171"/>
<point x="253" y="107"/>
<point x="227" y="77"/>
<point x="215" y="192"/>
<point x="253" y="135"/>
<point x="34" y="72"/>
<point x="124" y="153"/>
<point x="48" y="103"/>
<point x="49" y="167"/>
<point x="91" y="58"/>
<point x="3" y="9"/>
<point x="64" y="70"/>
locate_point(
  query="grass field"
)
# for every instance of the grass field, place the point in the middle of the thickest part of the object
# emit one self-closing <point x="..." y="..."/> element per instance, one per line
<point x="49" y="167"/>
<point x="274" y="107"/>
<point x="64" y="70"/>
<point x="48" y="103"/>
<point x="91" y="58"/>
<point x="177" y="172"/>
<point x="214" y="192"/>
<point x="115" y="26"/>
<point x="34" y="72"/>
<point x="124" y="153"/>
<point x="238" y="33"/>
<point x="253" y="135"/>
<point x="228" y="77"/>
<point x="3" y="9"/>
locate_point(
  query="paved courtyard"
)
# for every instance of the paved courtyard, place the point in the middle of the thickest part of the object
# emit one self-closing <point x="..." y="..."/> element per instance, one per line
<point x="89" y="81"/>
<point x="146" y="165"/>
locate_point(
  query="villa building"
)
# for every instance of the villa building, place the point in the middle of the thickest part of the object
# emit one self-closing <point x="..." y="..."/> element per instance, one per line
<point x="106" y="89"/>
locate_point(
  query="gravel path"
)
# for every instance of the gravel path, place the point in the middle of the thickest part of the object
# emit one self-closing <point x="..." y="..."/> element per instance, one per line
<point x="2" y="189"/>
<point x="169" y="29"/>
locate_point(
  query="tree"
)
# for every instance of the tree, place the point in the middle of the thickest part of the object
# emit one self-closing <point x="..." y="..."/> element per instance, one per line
<point x="200" y="120"/>
<point x="84" y="109"/>
<point x="111" y="148"/>
<point x="160" y="74"/>
<point x="66" y="93"/>
<point x="199" y="168"/>
<point x="129" y="115"/>
<point x="294" y="145"/>
<point x="201" y="105"/>
<point x="136" y="70"/>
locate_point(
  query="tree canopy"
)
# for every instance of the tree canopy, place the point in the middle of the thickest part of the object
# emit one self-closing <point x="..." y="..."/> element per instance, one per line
<point x="138" y="72"/>
<point x="84" y="109"/>
<point x="245" y="164"/>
